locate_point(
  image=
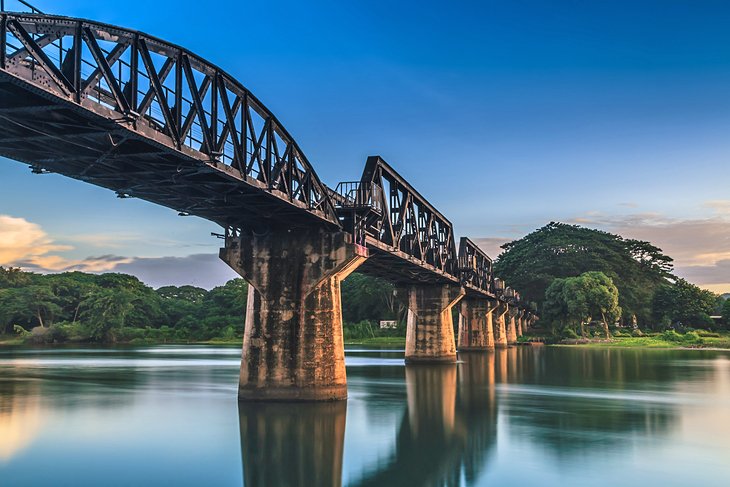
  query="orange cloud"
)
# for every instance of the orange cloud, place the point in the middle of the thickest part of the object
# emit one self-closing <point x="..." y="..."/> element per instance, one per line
<point x="25" y="244"/>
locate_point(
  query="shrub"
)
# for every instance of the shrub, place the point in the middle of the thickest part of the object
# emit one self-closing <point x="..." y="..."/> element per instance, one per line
<point x="689" y="338"/>
<point x="708" y="334"/>
<point x="20" y="331"/>
<point x="363" y="329"/>
<point x="637" y="333"/>
<point x="692" y="338"/>
<point x="672" y="336"/>
<point x="569" y="333"/>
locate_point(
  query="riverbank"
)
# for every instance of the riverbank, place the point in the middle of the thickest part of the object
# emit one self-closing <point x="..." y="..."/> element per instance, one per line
<point x="667" y="340"/>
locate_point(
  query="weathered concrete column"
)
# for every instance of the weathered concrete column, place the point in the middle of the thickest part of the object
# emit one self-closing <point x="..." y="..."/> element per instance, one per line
<point x="293" y="347"/>
<point x="473" y="334"/>
<point x="519" y="323"/>
<point x="511" y="327"/>
<point x="500" y="330"/>
<point x="430" y="328"/>
<point x="492" y="307"/>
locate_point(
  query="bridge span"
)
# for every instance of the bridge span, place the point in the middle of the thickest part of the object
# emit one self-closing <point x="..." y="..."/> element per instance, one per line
<point x="148" y="119"/>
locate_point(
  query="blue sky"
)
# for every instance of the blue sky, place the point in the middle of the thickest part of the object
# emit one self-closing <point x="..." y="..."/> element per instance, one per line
<point x="506" y="115"/>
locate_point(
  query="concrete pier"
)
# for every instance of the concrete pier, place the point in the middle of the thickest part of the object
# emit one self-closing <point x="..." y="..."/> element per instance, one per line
<point x="475" y="325"/>
<point x="430" y="327"/>
<point x="511" y="326"/>
<point x="500" y="328"/>
<point x="293" y="346"/>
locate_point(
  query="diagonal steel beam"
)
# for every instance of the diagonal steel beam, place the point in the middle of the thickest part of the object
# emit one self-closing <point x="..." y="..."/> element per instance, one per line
<point x="197" y="102"/>
<point x="40" y="57"/>
<point x="104" y="66"/>
<point x="159" y="92"/>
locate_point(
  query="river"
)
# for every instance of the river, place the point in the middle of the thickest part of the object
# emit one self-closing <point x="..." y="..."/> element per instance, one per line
<point x="525" y="416"/>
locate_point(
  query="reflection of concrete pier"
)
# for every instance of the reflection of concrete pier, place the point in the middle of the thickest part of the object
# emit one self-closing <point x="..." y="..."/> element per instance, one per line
<point x="450" y="425"/>
<point x="286" y="446"/>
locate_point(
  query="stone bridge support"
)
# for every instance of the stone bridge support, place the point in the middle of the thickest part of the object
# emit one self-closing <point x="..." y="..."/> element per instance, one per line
<point x="500" y="328"/>
<point x="512" y="326"/>
<point x="475" y="325"/>
<point x="293" y="346"/>
<point x="430" y="327"/>
<point x="520" y="323"/>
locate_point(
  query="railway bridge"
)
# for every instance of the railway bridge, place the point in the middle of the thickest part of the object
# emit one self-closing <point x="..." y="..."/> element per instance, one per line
<point x="148" y="119"/>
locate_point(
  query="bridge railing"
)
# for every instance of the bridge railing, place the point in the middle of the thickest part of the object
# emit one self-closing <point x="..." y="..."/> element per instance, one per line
<point x="408" y="222"/>
<point x="18" y="6"/>
<point x="163" y="92"/>
<point x="475" y="266"/>
<point x="353" y="194"/>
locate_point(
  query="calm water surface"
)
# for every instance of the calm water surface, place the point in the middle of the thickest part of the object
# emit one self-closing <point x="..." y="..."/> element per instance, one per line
<point x="524" y="416"/>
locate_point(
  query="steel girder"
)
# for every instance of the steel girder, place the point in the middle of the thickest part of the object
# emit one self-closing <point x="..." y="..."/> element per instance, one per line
<point x="188" y="114"/>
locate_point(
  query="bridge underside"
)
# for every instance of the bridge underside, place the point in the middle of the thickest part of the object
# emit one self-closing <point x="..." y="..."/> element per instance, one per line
<point x="52" y="134"/>
<point x="399" y="268"/>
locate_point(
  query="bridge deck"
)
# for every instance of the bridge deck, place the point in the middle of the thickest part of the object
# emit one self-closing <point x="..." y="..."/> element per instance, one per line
<point x="52" y="134"/>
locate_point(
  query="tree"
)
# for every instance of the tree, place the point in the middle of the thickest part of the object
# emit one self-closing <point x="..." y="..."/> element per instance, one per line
<point x="726" y="312"/>
<point x="369" y="298"/>
<point x="107" y="309"/>
<point x="683" y="303"/>
<point x="32" y="305"/>
<point x="558" y="250"/>
<point x="602" y="298"/>
<point x="574" y="301"/>
<point x="13" y="277"/>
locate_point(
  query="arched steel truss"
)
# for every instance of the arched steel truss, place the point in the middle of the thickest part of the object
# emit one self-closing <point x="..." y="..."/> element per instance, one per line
<point x="475" y="267"/>
<point x="150" y="119"/>
<point x="162" y="92"/>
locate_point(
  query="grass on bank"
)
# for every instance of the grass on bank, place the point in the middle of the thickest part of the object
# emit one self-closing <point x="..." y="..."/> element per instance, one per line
<point x="667" y="339"/>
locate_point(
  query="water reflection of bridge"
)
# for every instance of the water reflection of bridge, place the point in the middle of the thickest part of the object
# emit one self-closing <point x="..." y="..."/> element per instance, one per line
<point x="448" y="429"/>
<point x="447" y="434"/>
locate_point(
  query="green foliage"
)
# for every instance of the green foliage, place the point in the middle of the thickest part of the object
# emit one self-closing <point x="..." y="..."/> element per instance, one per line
<point x="20" y="331"/>
<point x="365" y="330"/>
<point x="574" y="301"/>
<point x="13" y="277"/>
<point x="726" y="312"/>
<point x="569" y="333"/>
<point x="637" y="333"/>
<point x="362" y="329"/>
<point x="683" y="303"/>
<point x="74" y="306"/>
<point x="689" y="338"/>
<point x="369" y="298"/>
<point x="558" y="250"/>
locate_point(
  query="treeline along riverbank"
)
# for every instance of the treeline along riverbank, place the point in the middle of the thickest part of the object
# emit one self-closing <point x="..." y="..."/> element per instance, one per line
<point x="586" y="285"/>
<point x="76" y="307"/>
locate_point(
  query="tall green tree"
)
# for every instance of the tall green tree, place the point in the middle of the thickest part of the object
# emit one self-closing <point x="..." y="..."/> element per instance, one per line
<point x="33" y="305"/>
<point x="726" y="312"/>
<point x="683" y="303"/>
<point x="369" y="298"/>
<point x="13" y="277"/>
<point x="107" y="309"/>
<point x="574" y="301"/>
<point x="559" y="250"/>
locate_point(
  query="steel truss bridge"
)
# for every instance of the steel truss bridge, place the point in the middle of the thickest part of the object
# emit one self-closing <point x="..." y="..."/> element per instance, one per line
<point x="148" y="119"/>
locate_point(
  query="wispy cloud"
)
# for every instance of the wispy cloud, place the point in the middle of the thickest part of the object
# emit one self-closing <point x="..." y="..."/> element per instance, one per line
<point x="700" y="247"/>
<point x="491" y="245"/>
<point x="25" y="244"/>
<point x="23" y="240"/>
